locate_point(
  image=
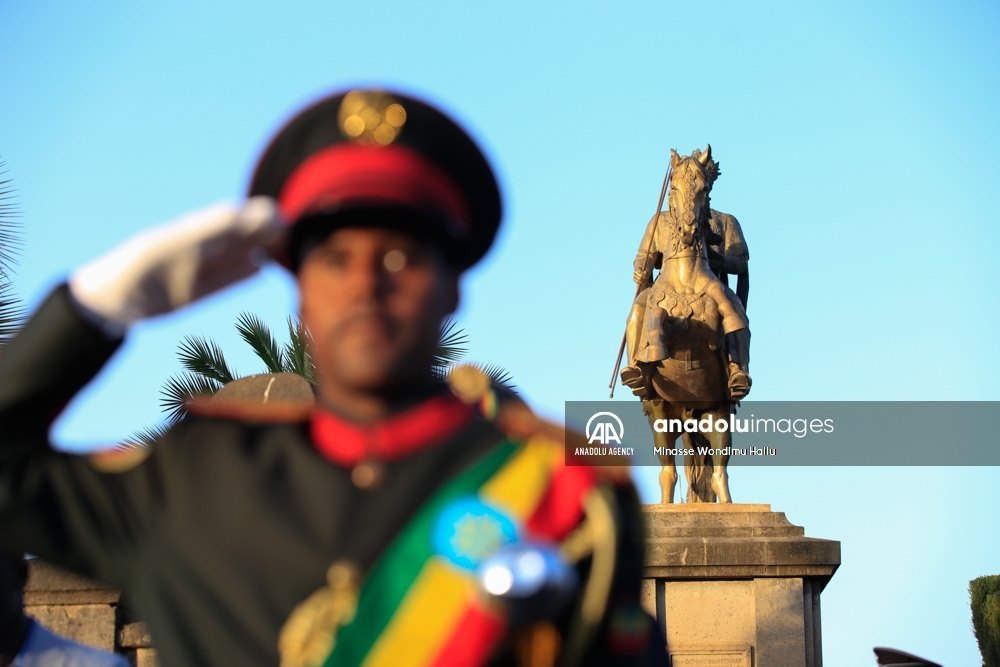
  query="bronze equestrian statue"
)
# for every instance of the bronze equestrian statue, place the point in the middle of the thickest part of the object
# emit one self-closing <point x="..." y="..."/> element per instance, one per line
<point x="729" y="256"/>
<point x="688" y="336"/>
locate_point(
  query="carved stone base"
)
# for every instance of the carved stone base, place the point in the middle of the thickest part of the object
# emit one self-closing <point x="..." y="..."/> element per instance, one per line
<point x="85" y="611"/>
<point x="735" y="585"/>
<point x="71" y="606"/>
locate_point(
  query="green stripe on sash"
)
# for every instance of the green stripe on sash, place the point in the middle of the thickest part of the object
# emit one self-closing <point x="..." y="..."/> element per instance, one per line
<point x="395" y="571"/>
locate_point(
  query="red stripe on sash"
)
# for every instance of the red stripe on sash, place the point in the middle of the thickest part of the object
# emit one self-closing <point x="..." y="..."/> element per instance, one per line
<point x="561" y="509"/>
<point x="472" y="642"/>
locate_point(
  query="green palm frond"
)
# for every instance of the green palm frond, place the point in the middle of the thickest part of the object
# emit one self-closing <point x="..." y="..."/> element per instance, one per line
<point x="499" y="375"/>
<point x="207" y="370"/>
<point x="10" y="228"/>
<point x="451" y="345"/>
<point x="179" y="389"/>
<point x="256" y="334"/>
<point x="11" y="310"/>
<point x="146" y="437"/>
<point x="11" y="313"/>
<point x="297" y="357"/>
<point x="204" y="357"/>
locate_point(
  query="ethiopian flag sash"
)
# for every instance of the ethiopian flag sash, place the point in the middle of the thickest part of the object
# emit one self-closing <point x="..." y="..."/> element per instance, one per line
<point x="419" y="606"/>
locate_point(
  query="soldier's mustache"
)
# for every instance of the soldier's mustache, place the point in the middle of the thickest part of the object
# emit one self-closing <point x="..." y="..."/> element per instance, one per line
<point x="365" y="313"/>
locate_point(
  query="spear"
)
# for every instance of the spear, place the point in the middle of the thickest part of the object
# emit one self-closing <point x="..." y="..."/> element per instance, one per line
<point x="639" y="286"/>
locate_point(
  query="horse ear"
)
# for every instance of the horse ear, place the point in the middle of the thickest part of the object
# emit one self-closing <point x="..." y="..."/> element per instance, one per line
<point x="674" y="158"/>
<point x="706" y="155"/>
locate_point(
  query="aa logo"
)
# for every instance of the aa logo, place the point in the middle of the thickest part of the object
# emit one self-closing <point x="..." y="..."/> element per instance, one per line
<point x="604" y="429"/>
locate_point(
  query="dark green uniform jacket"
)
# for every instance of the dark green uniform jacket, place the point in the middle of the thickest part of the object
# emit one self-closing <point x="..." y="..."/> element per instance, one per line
<point x="227" y="525"/>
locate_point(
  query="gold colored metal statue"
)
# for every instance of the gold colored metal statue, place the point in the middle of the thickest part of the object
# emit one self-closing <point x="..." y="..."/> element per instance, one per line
<point x="688" y="336"/>
<point x="728" y="253"/>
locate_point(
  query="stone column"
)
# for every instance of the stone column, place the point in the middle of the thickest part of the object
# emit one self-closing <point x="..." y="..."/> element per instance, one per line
<point x="85" y="611"/>
<point x="735" y="585"/>
<point x="71" y="606"/>
<point x="136" y="643"/>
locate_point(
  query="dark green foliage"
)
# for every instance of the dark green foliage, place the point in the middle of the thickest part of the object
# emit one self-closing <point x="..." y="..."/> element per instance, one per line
<point x="451" y="348"/>
<point x="256" y="334"/>
<point x="11" y="310"/>
<point x="984" y="596"/>
<point x="179" y="389"/>
<point x="298" y="358"/>
<point x="10" y="228"/>
<point x="147" y="437"/>
<point x="451" y="345"/>
<point x="206" y="370"/>
<point x="204" y="357"/>
<point x="292" y="357"/>
<point x="499" y="375"/>
<point x="11" y="313"/>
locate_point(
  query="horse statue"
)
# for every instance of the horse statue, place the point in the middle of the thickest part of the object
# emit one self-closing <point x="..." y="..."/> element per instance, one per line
<point x="688" y="335"/>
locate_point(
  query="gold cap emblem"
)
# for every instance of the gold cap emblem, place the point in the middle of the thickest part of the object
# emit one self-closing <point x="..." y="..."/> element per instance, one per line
<point x="371" y="117"/>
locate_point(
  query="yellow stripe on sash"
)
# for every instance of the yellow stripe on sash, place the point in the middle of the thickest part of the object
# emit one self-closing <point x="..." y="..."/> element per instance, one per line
<point x="518" y="487"/>
<point x="425" y="619"/>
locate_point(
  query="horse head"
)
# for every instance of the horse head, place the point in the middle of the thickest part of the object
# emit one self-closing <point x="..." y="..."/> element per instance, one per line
<point x="688" y="200"/>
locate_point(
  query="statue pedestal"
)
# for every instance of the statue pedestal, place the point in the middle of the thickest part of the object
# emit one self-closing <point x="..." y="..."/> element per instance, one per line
<point x="735" y="585"/>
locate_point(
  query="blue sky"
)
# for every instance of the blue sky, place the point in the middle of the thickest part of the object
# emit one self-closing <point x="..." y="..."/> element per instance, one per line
<point x="857" y="142"/>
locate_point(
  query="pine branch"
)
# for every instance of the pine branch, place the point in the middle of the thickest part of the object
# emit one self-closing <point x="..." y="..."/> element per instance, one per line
<point x="256" y="334"/>
<point x="204" y="357"/>
<point x="450" y="346"/>
<point x="297" y="356"/>
<point x="179" y="389"/>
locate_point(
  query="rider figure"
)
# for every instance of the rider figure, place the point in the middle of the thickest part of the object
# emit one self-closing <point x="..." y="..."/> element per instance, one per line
<point x="727" y="254"/>
<point x="730" y="256"/>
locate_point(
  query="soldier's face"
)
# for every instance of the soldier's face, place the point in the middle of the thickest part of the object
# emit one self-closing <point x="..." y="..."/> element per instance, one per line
<point x="373" y="299"/>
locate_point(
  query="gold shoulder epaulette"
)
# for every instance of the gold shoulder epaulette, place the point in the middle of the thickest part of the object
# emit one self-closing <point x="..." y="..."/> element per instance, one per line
<point x="513" y="417"/>
<point x="256" y="413"/>
<point x="120" y="458"/>
<point x="267" y="398"/>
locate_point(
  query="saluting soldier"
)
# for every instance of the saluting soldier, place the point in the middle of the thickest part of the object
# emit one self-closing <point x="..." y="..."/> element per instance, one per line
<point x="399" y="521"/>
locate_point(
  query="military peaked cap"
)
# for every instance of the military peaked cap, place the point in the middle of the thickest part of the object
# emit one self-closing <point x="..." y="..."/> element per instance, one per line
<point x="365" y="156"/>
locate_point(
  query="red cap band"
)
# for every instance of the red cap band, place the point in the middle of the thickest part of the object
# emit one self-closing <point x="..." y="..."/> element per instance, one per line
<point x="349" y="173"/>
